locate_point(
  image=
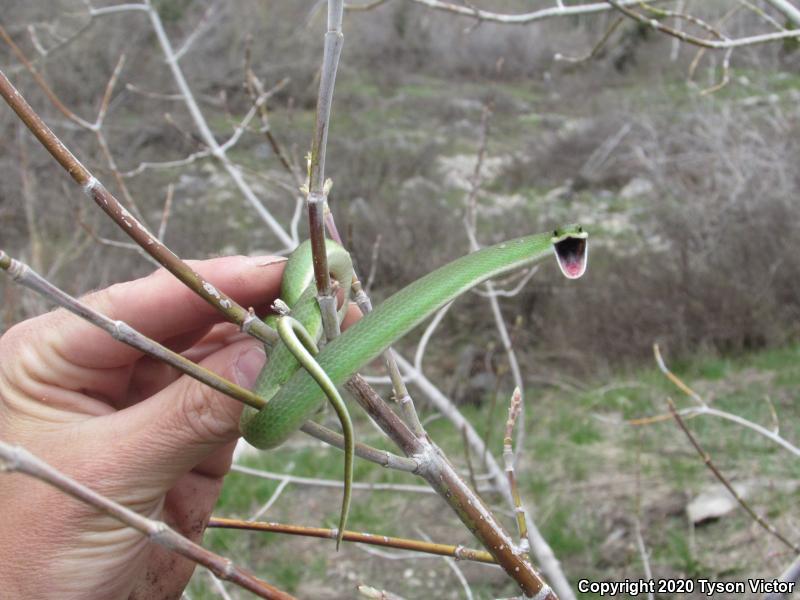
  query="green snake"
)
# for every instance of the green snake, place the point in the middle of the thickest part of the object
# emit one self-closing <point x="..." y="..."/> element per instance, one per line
<point x="295" y="394"/>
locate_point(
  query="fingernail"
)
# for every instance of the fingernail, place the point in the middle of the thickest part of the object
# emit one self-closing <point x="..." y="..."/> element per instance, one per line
<point x="249" y="365"/>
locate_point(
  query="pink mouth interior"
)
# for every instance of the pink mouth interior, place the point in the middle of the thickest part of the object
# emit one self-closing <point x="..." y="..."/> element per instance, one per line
<point x="571" y="253"/>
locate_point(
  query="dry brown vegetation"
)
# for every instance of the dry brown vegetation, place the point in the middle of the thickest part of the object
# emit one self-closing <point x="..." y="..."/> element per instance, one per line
<point x="712" y="236"/>
<point x="690" y="199"/>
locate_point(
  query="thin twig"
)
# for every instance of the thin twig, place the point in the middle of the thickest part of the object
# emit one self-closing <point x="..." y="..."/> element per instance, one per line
<point x="726" y="58"/>
<point x="317" y="187"/>
<point x="17" y="459"/>
<point x="235" y="313"/>
<point x="201" y="27"/>
<point x="768" y="527"/>
<point x="752" y="40"/>
<point x="704" y="409"/>
<point x="643" y="553"/>
<point x="220" y="587"/>
<point x="682" y="16"/>
<point x="471" y="227"/>
<point x="595" y="50"/>
<point x="458" y="552"/>
<point x="514" y="410"/>
<point x="335" y="483"/>
<point x="674" y="378"/>
<point x="380" y="457"/>
<point x="121" y="331"/>
<point x="763" y="14"/>
<point x="272" y="499"/>
<point x="453" y="566"/>
<point x="560" y="10"/>
<point x="216" y="150"/>
<point x="255" y="88"/>
<point x="165" y="213"/>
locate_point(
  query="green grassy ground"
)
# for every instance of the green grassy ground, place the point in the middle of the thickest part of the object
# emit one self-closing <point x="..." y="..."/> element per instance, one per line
<point x="588" y="473"/>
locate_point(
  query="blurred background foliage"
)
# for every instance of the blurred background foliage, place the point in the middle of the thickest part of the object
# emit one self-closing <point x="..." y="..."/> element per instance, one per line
<point x="688" y="196"/>
<point x="690" y="199"/>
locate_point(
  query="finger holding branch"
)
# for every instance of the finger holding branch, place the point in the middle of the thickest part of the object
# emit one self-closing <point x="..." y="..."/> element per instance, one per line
<point x="19" y="460"/>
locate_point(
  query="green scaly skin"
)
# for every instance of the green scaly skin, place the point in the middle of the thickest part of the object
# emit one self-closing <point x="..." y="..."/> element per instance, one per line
<point x="293" y="394"/>
<point x="299" y="341"/>
<point x="298" y="337"/>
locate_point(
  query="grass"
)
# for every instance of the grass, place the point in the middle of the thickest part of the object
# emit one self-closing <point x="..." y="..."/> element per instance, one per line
<point x="587" y="474"/>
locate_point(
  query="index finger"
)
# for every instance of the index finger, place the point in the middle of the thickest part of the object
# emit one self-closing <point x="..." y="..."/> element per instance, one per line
<point x="158" y="306"/>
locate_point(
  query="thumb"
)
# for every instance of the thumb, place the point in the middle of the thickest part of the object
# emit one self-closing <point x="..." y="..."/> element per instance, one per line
<point x="177" y="428"/>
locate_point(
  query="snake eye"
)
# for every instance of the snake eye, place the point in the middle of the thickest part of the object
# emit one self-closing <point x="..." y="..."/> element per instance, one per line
<point x="580" y="229"/>
<point x="555" y="232"/>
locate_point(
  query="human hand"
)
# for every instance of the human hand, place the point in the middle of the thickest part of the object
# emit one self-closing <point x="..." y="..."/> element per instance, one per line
<point x="127" y="426"/>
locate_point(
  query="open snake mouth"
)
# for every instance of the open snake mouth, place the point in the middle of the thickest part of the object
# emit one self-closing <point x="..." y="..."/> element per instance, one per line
<point x="572" y="252"/>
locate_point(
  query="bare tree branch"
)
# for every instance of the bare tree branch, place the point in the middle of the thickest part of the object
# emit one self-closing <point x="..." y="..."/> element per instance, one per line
<point x="124" y="333"/>
<point x="768" y="527"/>
<point x="17" y="459"/>
<point x="560" y="10"/>
<point x="752" y="40"/>
<point x="789" y="10"/>
<point x="247" y="321"/>
<point x="457" y="552"/>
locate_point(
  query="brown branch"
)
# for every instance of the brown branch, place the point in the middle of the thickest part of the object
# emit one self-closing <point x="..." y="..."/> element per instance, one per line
<point x="768" y="527"/>
<point x="704" y="409"/>
<point x="457" y="552"/>
<point x="103" y="142"/>
<point x="17" y="459"/>
<point x="317" y="187"/>
<point x="40" y="81"/>
<point x="380" y="457"/>
<point x="674" y="378"/>
<point x="121" y="331"/>
<point x="259" y="96"/>
<point x="725" y="59"/>
<point x="235" y="313"/>
<point x="435" y="468"/>
<point x="442" y="477"/>
<point x="95" y="127"/>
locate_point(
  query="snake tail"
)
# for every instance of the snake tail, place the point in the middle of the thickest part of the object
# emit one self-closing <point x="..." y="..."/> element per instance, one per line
<point x="303" y="347"/>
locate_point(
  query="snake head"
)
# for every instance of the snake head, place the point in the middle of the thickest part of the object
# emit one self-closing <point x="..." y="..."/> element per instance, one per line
<point x="571" y="245"/>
